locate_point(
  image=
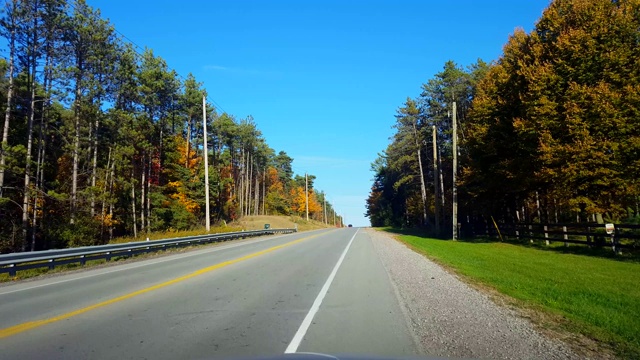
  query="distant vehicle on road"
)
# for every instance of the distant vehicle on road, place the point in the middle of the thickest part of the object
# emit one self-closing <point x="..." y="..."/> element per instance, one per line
<point x="350" y="225"/>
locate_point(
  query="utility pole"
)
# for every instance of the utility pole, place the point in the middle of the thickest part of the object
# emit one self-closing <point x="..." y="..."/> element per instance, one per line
<point x="324" y="198"/>
<point x="436" y="200"/>
<point x="206" y="163"/>
<point x="455" y="170"/>
<point x="306" y="194"/>
<point x="334" y="217"/>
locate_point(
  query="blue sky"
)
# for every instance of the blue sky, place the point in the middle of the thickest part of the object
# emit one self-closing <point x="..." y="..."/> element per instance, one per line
<point x="322" y="79"/>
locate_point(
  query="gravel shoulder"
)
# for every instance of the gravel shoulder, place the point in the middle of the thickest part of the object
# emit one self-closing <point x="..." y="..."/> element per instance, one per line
<point x="451" y="319"/>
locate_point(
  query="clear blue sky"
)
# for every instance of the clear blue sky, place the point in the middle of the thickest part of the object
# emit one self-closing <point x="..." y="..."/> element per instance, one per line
<point x="322" y="79"/>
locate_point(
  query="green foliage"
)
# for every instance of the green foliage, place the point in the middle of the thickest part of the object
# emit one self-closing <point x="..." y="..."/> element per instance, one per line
<point x="83" y="233"/>
<point x="547" y="133"/>
<point x="396" y="197"/>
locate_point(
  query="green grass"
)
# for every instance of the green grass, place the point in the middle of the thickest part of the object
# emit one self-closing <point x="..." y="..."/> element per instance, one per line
<point x="598" y="297"/>
<point x="160" y="235"/>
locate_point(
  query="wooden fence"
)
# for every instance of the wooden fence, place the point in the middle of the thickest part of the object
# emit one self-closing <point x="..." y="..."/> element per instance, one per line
<point x="624" y="236"/>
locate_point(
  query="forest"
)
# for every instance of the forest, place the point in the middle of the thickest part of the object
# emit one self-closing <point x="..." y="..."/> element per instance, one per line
<point x="549" y="132"/>
<point x="102" y="140"/>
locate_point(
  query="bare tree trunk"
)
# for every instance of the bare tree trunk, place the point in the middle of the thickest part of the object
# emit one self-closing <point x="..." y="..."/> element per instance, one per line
<point x="39" y="178"/>
<point x="249" y="179"/>
<point x="186" y="164"/>
<point x="143" y="183"/>
<point x="133" y="203"/>
<point x="111" y="201"/>
<point x="27" y="167"/>
<point x="76" y="150"/>
<point x="104" y="194"/>
<point x="149" y="196"/>
<point x="436" y="201"/>
<point x="264" y="190"/>
<point x="241" y="184"/>
<point x="160" y="149"/>
<point x="7" y="112"/>
<point x="232" y="180"/>
<point x="94" y="163"/>
<point x="538" y="212"/>
<point x="44" y="126"/>
<point x="441" y="181"/>
<point x="256" y="204"/>
<point x="423" y="188"/>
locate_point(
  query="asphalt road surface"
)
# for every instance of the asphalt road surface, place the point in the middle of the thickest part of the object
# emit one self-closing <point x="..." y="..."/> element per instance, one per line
<point x="322" y="291"/>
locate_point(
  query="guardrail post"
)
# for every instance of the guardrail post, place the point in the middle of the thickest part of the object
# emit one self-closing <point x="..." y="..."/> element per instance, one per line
<point x="108" y="256"/>
<point x="51" y="264"/>
<point x="565" y="235"/>
<point x="589" y="242"/>
<point x="83" y="260"/>
<point x="12" y="270"/>
<point x="546" y="235"/>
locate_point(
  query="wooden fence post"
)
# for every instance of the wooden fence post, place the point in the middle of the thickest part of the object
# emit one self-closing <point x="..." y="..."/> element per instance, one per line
<point x="566" y="237"/>
<point x="615" y="242"/>
<point x="546" y="235"/>
<point x="530" y="234"/>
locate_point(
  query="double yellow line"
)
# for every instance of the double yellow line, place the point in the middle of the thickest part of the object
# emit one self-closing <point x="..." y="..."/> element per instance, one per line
<point x="16" y="329"/>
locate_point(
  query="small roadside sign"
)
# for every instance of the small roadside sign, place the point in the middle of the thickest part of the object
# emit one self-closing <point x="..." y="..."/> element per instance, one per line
<point x="609" y="228"/>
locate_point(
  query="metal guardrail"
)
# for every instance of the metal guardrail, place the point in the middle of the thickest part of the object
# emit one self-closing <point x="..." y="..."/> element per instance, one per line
<point x="11" y="263"/>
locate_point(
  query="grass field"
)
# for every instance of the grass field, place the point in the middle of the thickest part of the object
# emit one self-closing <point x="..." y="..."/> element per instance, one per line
<point x="593" y="296"/>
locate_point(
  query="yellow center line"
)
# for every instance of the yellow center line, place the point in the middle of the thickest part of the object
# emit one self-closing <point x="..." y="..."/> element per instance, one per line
<point x="16" y="329"/>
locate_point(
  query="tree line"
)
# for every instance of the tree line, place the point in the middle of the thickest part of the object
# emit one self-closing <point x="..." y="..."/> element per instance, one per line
<point x="549" y="132"/>
<point x="100" y="141"/>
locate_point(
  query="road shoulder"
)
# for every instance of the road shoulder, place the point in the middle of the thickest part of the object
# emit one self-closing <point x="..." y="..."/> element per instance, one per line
<point x="451" y="318"/>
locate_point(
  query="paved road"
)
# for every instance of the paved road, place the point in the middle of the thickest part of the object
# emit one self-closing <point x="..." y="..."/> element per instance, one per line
<point x="322" y="291"/>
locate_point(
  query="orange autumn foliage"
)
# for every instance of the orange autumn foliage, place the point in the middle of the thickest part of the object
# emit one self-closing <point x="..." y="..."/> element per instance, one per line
<point x="299" y="201"/>
<point x="194" y="159"/>
<point x="182" y="198"/>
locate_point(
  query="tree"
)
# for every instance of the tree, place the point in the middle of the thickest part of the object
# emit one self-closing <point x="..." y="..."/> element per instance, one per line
<point x="554" y="118"/>
<point x="8" y="25"/>
<point x="100" y="141"/>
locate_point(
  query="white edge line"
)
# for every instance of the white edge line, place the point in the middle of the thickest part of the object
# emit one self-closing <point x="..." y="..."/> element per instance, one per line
<point x="302" y="330"/>
<point x="170" y="258"/>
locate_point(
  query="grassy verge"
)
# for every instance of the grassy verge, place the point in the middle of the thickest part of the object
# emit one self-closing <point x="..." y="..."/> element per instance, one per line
<point x="593" y="296"/>
<point x="173" y="234"/>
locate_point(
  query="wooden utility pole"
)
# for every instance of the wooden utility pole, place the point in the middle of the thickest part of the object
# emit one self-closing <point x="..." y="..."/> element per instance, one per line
<point x="306" y="194"/>
<point x="455" y="170"/>
<point x="206" y="163"/>
<point x="324" y="199"/>
<point x="436" y="200"/>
